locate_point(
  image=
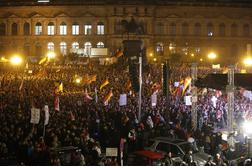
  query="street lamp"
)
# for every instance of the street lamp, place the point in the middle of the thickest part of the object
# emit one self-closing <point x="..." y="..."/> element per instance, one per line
<point x="212" y="56"/>
<point x="51" y="55"/>
<point x="16" y="60"/>
<point x="247" y="61"/>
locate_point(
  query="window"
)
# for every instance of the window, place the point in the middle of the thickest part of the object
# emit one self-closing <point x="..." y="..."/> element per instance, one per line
<point x="100" y="45"/>
<point x="63" y="28"/>
<point x="173" y="29"/>
<point x="160" y="47"/>
<point x="38" y="29"/>
<point x="164" y="147"/>
<point x="118" y="27"/>
<point x="185" y="29"/>
<point x="27" y="50"/>
<point x="63" y="48"/>
<point x="100" y="28"/>
<point x="222" y="31"/>
<point x="50" y="46"/>
<point x="75" y="45"/>
<point x="75" y="29"/>
<point x="2" y="29"/>
<point x="14" y="29"/>
<point x="234" y="30"/>
<point x="87" y="48"/>
<point x="197" y="29"/>
<point x="50" y="28"/>
<point x="246" y="31"/>
<point x="159" y="28"/>
<point x="88" y="29"/>
<point x="38" y="50"/>
<point x="210" y="29"/>
<point x="26" y="28"/>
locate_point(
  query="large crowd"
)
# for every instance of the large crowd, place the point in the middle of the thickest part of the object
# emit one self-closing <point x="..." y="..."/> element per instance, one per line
<point x="86" y="122"/>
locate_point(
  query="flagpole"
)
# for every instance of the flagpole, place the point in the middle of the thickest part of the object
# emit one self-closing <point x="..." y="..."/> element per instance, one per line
<point x="140" y="89"/>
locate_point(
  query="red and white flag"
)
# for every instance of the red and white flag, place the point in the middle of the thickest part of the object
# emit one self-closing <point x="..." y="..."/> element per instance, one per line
<point x="56" y="103"/>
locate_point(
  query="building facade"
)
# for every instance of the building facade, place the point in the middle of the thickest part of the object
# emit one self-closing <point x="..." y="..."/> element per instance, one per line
<point x="190" y="28"/>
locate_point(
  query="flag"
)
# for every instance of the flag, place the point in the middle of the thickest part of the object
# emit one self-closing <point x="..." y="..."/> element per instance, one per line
<point x="107" y="98"/>
<point x="43" y="60"/>
<point x="92" y="78"/>
<point x="46" y="109"/>
<point x="187" y="82"/>
<point x="58" y="87"/>
<point x="35" y="115"/>
<point x="128" y="85"/>
<point x="118" y="54"/>
<point x="88" y="79"/>
<point x="154" y="99"/>
<point x="56" y="103"/>
<point x="104" y="83"/>
<point x="86" y="96"/>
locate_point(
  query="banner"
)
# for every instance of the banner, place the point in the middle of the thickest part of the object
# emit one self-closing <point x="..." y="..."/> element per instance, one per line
<point x="35" y="115"/>
<point x="154" y="100"/>
<point x="46" y="109"/>
<point x="123" y="100"/>
<point x="188" y="100"/>
<point x="111" y="152"/>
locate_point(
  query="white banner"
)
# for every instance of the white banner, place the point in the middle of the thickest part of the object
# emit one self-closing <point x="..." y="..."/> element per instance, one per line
<point x="35" y="115"/>
<point x="154" y="100"/>
<point x="46" y="109"/>
<point x="123" y="100"/>
<point x="111" y="152"/>
<point x="188" y="100"/>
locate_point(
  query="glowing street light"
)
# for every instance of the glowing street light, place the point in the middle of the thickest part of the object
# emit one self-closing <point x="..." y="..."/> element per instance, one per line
<point x="51" y="55"/>
<point x="154" y="59"/>
<point x="201" y="59"/>
<point x="192" y="54"/>
<point x="16" y="60"/>
<point x="247" y="61"/>
<point x="78" y="80"/>
<point x="151" y="55"/>
<point x="3" y="59"/>
<point x="212" y="55"/>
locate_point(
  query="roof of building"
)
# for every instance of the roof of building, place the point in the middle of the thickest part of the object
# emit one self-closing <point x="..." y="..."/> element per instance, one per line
<point x="239" y="3"/>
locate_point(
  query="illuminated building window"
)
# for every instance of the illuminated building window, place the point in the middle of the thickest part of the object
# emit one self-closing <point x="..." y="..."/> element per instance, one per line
<point x="75" y="29"/>
<point x="38" y="29"/>
<point x="63" y="48"/>
<point x="50" y="29"/>
<point x="172" y="27"/>
<point x="75" y="45"/>
<point x="87" y="48"/>
<point x="63" y="28"/>
<point x="160" y="47"/>
<point x="159" y="28"/>
<point x="100" y="28"/>
<point x="50" y="46"/>
<point x="100" y="45"/>
<point x="234" y="30"/>
<point x="88" y="29"/>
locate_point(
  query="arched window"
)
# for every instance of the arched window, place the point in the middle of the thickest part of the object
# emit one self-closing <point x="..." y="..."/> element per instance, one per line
<point x="197" y="29"/>
<point x="14" y="29"/>
<point x="87" y="48"/>
<point x="172" y="27"/>
<point x="222" y="29"/>
<point x="50" y="28"/>
<point x="75" y="29"/>
<point x="50" y="46"/>
<point x="100" y="45"/>
<point x="63" y="48"/>
<point x="38" y="50"/>
<point x="88" y="29"/>
<point x="100" y="28"/>
<point x="159" y="47"/>
<point x="210" y="29"/>
<point x="27" y="50"/>
<point x="185" y="29"/>
<point x="38" y="29"/>
<point x="26" y="28"/>
<point x="234" y="30"/>
<point x="159" y="28"/>
<point x="2" y="29"/>
<point x="75" y="45"/>
<point x="63" y="28"/>
<point x="246" y="31"/>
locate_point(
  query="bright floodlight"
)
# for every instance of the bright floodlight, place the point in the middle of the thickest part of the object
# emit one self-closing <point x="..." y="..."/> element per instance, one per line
<point x="16" y="60"/>
<point x="212" y="55"/>
<point x="247" y="61"/>
<point x="51" y="55"/>
<point x="247" y="127"/>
